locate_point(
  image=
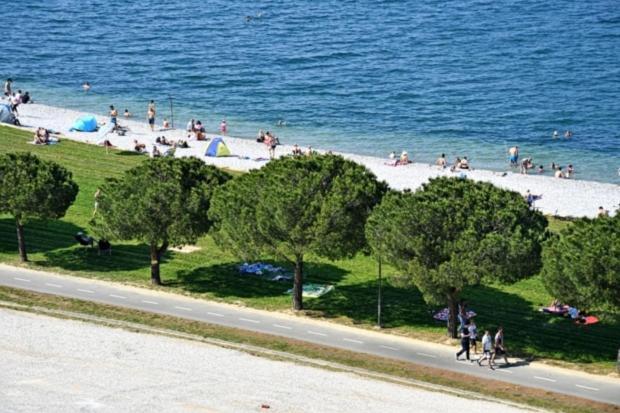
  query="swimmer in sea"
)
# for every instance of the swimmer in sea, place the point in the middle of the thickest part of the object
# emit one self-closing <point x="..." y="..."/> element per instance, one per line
<point x="568" y="134"/>
<point x="127" y="114"/>
<point x="86" y="86"/>
<point x="555" y="134"/>
<point x="514" y="155"/>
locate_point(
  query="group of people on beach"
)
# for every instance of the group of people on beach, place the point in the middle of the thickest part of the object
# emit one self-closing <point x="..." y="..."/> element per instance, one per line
<point x="270" y="140"/>
<point x="526" y="164"/>
<point x="15" y="98"/>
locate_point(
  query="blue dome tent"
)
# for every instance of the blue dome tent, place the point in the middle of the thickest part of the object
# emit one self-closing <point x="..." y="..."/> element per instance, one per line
<point x="217" y="147"/>
<point x="86" y="123"/>
<point x="6" y="115"/>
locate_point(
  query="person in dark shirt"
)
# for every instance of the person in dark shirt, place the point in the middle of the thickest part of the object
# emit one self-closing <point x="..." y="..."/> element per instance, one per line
<point x="464" y="342"/>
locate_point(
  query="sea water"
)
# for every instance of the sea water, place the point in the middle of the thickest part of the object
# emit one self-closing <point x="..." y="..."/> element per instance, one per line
<point x="465" y="78"/>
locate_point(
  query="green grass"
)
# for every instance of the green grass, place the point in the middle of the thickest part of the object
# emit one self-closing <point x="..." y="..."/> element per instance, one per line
<point x="395" y="369"/>
<point x="211" y="273"/>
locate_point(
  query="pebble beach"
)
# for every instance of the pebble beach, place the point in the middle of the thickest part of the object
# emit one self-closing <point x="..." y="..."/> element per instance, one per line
<point x="559" y="197"/>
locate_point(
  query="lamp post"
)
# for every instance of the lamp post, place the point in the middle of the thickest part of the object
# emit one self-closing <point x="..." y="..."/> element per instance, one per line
<point x="379" y="296"/>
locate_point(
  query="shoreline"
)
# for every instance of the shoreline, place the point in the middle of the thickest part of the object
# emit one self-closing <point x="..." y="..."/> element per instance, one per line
<point x="560" y="197"/>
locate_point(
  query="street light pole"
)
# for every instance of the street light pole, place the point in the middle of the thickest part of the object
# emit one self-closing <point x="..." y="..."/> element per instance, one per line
<point x="379" y="296"/>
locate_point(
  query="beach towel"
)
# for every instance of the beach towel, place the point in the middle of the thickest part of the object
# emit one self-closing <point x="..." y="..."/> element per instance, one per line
<point x="85" y="123"/>
<point x="311" y="290"/>
<point x="588" y="320"/>
<point x="442" y="315"/>
<point x="556" y="310"/>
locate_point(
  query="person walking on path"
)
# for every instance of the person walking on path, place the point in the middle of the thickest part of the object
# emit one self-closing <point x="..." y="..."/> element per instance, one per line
<point x="473" y="336"/>
<point x="487" y="345"/>
<point x="150" y="115"/>
<point x="464" y="343"/>
<point x="500" y="348"/>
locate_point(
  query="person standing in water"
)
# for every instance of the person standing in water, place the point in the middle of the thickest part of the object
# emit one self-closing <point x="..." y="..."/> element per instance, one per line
<point x="113" y="116"/>
<point x="223" y="127"/>
<point x="150" y="115"/>
<point x="7" y="88"/>
<point x="514" y="155"/>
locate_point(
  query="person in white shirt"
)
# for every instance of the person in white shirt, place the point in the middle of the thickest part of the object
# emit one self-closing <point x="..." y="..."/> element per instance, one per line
<point x="473" y="336"/>
<point x="487" y="345"/>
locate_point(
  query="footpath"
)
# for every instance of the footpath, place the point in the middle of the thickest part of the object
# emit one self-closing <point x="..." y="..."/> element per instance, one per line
<point x="573" y="383"/>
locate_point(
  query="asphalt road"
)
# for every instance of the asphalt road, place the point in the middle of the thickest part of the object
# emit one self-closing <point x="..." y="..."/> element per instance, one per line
<point x="573" y="383"/>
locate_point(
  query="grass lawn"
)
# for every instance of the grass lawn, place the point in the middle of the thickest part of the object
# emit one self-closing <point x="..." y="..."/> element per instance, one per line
<point x="211" y="273"/>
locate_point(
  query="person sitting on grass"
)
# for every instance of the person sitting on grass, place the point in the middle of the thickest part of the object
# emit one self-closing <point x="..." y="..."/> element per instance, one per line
<point x="139" y="147"/>
<point x="41" y="136"/>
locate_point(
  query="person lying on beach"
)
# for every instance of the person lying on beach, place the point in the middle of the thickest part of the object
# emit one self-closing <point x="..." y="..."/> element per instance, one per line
<point x="180" y="144"/>
<point x="163" y="141"/>
<point x="106" y="144"/>
<point x="441" y="161"/>
<point x="41" y="137"/>
<point x="139" y="147"/>
<point x="296" y="150"/>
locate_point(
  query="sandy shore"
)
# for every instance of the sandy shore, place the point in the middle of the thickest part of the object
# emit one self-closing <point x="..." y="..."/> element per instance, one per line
<point x="56" y="365"/>
<point x="563" y="197"/>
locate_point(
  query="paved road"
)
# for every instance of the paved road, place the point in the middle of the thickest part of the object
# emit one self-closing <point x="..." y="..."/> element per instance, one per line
<point x="557" y="380"/>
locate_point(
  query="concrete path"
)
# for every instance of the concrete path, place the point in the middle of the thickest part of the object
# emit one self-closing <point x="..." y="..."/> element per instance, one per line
<point x="558" y="380"/>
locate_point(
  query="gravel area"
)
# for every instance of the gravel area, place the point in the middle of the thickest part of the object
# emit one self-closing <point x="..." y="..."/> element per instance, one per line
<point x="56" y="365"/>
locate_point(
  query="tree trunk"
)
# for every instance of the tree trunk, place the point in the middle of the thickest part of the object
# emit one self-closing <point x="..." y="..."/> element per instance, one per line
<point x="452" y="315"/>
<point x="156" y="254"/>
<point x="298" y="283"/>
<point x="21" y="242"/>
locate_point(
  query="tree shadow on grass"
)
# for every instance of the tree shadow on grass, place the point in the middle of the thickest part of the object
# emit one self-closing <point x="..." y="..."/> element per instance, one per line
<point x="529" y="331"/>
<point x="40" y="236"/>
<point x="124" y="257"/>
<point x="225" y="281"/>
<point x="358" y="302"/>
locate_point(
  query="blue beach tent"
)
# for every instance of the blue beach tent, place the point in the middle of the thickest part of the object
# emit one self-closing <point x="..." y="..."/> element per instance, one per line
<point x="86" y="123"/>
<point x="217" y="147"/>
<point x="6" y="115"/>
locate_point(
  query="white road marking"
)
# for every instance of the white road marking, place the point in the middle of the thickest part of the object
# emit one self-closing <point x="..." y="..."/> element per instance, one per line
<point x="388" y="347"/>
<point x="249" y="320"/>
<point x="149" y="302"/>
<point x="281" y="326"/>
<point x="503" y="370"/>
<point x="86" y="291"/>
<point x="586" y="387"/>
<point x="21" y="279"/>
<point x="53" y="285"/>
<point x="183" y="308"/>
<point x="427" y="355"/>
<point x="350" y="340"/>
<point x="316" y="333"/>
<point x="215" y="314"/>
<point x="545" y="379"/>
<point x="118" y="296"/>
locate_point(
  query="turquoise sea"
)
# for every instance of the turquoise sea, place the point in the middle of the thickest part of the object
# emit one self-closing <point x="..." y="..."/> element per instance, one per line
<point x="465" y="78"/>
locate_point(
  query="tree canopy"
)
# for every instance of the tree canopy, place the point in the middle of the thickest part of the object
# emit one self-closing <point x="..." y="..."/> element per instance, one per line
<point x="162" y="202"/>
<point x="454" y="233"/>
<point x="294" y="206"/>
<point x="31" y="188"/>
<point x="581" y="266"/>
